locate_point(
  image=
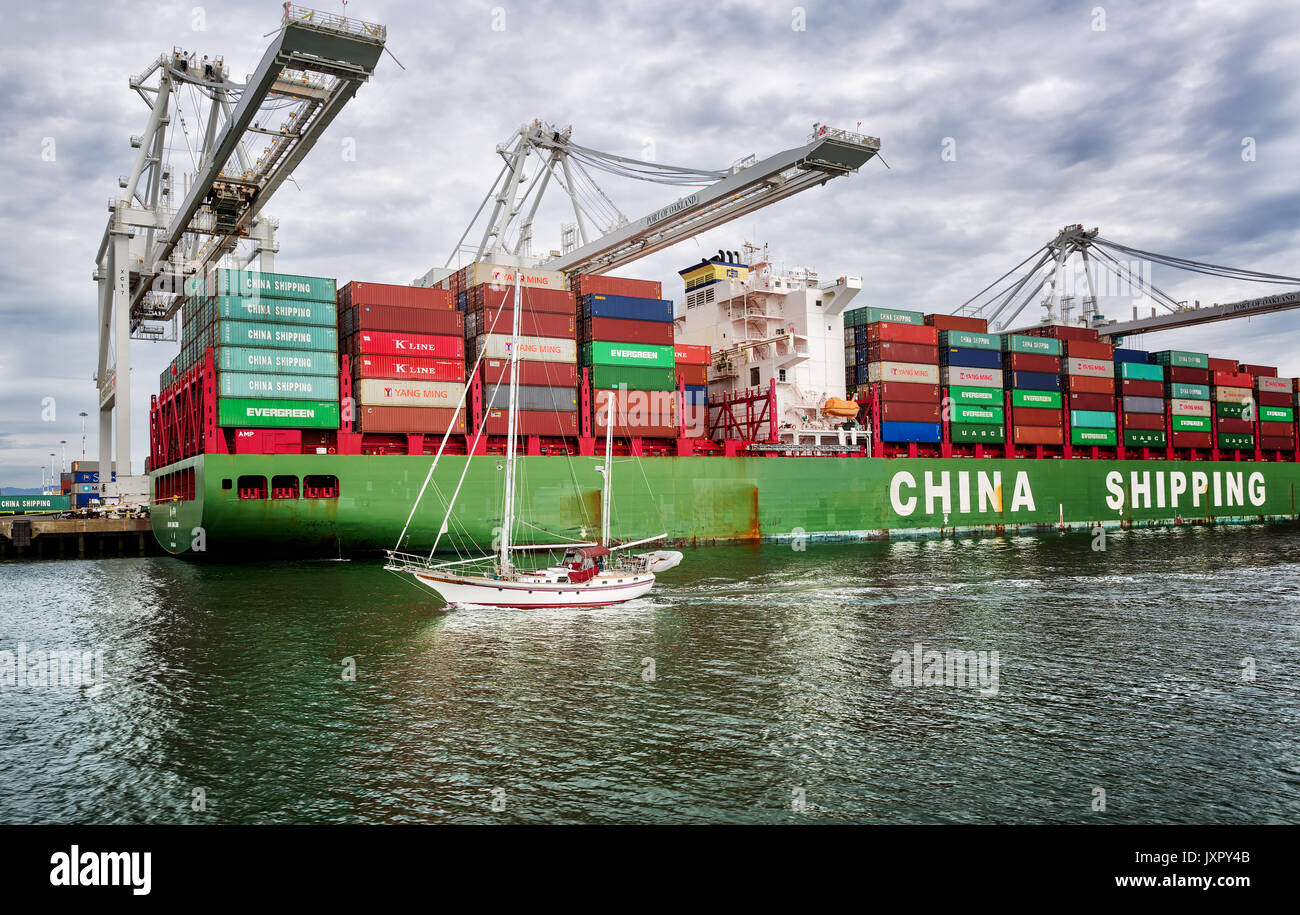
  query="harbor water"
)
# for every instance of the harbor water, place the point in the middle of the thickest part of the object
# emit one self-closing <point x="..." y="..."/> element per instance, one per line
<point x="1152" y="681"/>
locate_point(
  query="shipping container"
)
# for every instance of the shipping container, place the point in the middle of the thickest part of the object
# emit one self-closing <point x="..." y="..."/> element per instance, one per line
<point x="492" y="301"/>
<point x="971" y="358"/>
<point x="1184" y="375"/>
<point x="297" y="337"/>
<point x="1274" y="399"/>
<point x="279" y="311"/>
<point x="1034" y="416"/>
<point x="637" y="378"/>
<point x="693" y="374"/>
<point x="1089" y="368"/>
<point x="410" y="420"/>
<point x="1233" y="380"/>
<point x="956" y="322"/>
<point x="901" y="333"/>
<point x="1042" y="400"/>
<point x="1236" y="426"/>
<point x="984" y="397"/>
<point x="252" y="359"/>
<point x="1038" y="435"/>
<point x="616" y="330"/>
<point x="1235" y="395"/>
<point x="619" y="306"/>
<point x="927" y="433"/>
<point x="1144" y="405"/>
<point x="1131" y="355"/>
<point x="1223" y="365"/>
<point x="1065" y="332"/>
<point x="1142" y="371"/>
<point x="966" y="413"/>
<point x="1036" y="346"/>
<point x="388" y="343"/>
<point x="1036" y="381"/>
<point x="1089" y="351"/>
<point x="533" y="422"/>
<point x="254" y="284"/>
<point x="404" y="368"/>
<point x="1144" y="438"/>
<point x="356" y="294"/>
<point x="690" y="354"/>
<point x="1187" y="391"/>
<point x="1180" y="359"/>
<point x="1272" y="384"/>
<point x="602" y="284"/>
<point x="410" y="320"/>
<point x="537" y="349"/>
<point x="1033" y="362"/>
<point x="911" y="372"/>
<point x="278" y="414"/>
<point x="497" y="275"/>
<point x="909" y="391"/>
<point x="1276" y="415"/>
<point x="34" y="504"/>
<point x="891" y="351"/>
<point x="1190" y="439"/>
<point x="1236" y="441"/>
<point x="1190" y="423"/>
<point x="553" y="374"/>
<point x="531" y="324"/>
<point x="411" y="392"/>
<point x="1084" y="435"/>
<point x="1271" y="443"/>
<point x="532" y="397"/>
<point x="648" y="355"/>
<point x="1104" y="402"/>
<point x="275" y="386"/>
<point x="1268" y="371"/>
<point x="1232" y="410"/>
<point x="695" y="395"/>
<point x="1146" y="421"/>
<point x="904" y="412"/>
<point x="965" y="339"/>
<point x="1131" y="387"/>
<point x="873" y="314"/>
<point x="1088" y="384"/>
<point x="959" y="432"/>
<point x="1092" y="419"/>
<point x="635" y="412"/>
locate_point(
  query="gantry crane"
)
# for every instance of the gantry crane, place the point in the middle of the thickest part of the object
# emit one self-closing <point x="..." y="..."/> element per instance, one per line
<point x="313" y="66"/>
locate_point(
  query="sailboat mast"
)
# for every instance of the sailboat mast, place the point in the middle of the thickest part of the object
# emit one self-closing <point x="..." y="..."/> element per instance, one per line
<point x="608" y="482"/>
<point x="508" y="506"/>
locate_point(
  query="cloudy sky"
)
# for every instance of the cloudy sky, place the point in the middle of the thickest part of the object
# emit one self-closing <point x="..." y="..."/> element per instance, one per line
<point x="1126" y="116"/>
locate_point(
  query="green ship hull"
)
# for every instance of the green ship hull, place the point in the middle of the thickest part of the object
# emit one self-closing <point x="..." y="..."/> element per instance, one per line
<point x="702" y="500"/>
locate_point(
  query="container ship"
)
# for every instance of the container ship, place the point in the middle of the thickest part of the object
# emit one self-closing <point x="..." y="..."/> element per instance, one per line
<point x="302" y="416"/>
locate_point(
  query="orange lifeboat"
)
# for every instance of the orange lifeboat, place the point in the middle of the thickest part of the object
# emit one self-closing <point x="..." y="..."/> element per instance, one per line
<point x="836" y="406"/>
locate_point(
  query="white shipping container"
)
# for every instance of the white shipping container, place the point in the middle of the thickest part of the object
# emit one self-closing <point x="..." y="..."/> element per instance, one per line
<point x="381" y="392"/>
<point x="533" y="277"/>
<point x="536" y="349"/>
<point x="1234" y="395"/>
<point x="1180" y="407"/>
<point x="1274" y="385"/>
<point x="1091" y="368"/>
<point x="972" y="377"/>
<point x="911" y="372"/>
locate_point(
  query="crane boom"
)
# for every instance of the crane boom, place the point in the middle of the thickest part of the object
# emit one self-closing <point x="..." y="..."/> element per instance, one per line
<point x="1198" y="315"/>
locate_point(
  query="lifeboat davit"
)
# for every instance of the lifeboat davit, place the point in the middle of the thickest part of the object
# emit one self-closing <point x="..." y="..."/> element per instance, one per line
<point x="836" y="406"/>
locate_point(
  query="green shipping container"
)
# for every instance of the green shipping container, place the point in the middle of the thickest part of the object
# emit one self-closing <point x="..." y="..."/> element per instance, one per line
<point x="1179" y="391"/>
<point x="970" y="339"/>
<point x="283" y="387"/>
<point x="1141" y="371"/>
<point x="1276" y="414"/>
<point x="1040" y="346"/>
<point x="1190" y="423"/>
<point x="1144" y="438"/>
<point x="959" y="432"/>
<point x="977" y="396"/>
<point x="263" y="285"/>
<point x="290" y="362"/>
<point x="278" y="414"/>
<point x="22" y="504"/>
<point x="871" y="314"/>
<point x="1182" y="359"/>
<point x="1236" y="441"/>
<point x="1084" y="436"/>
<point x="636" y="379"/>
<point x="251" y="333"/>
<point x="965" y="413"/>
<point x="279" y="311"/>
<point x="1227" y="410"/>
<point x="1039" y="400"/>
<point x="641" y="355"/>
<point x="1092" y="419"/>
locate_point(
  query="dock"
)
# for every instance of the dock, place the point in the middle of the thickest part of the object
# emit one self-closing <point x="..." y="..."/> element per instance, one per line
<point x="35" y="537"/>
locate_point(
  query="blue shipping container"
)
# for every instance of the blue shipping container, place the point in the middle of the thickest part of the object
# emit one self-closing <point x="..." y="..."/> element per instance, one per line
<point x="910" y="432"/>
<point x="627" y="308"/>
<point x="697" y="395"/>
<point x="1131" y="355"/>
<point x="1033" y="381"/>
<point x="971" y="358"/>
<point x="88" y="476"/>
<point x="82" y="499"/>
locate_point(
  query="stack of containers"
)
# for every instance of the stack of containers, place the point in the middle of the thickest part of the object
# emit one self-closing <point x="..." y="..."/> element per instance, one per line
<point x="896" y="352"/>
<point x="1088" y="379"/>
<point x="548" y="355"/>
<point x="1140" y="387"/>
<point x="1187" y="388"/>
<point x="1032" y="376"/>
<point x="276" y="347"/>
<point x="1276" y="408"/>
<point x="1234" y="406"/>
<point x="972" y="362"/>
<point x="626" y="344"/>
<point x="406" y="348"/>
<point x="692" y="363"/>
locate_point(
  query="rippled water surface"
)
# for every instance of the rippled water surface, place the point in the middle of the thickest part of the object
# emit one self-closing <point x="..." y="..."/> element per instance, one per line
<point x="753" y="686"/>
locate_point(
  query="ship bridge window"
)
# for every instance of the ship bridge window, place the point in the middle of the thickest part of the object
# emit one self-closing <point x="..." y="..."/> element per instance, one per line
<point x="780" y="375"/>
<point x="284" y="487"/>
<point x="754" y="378"/>
<point x="320" y="486"/>
<point x="252" y="487"/>
<point x="227" y="483"/>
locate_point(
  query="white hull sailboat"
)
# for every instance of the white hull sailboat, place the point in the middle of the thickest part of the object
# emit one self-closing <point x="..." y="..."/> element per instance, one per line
<point x="588" y="575"/>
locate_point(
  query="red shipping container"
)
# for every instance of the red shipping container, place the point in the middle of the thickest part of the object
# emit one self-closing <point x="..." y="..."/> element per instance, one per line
<point x="1222" y="365"/>
<point x="1144" y="421"/>
<point x="531" y="323"/>
<point x="1184" y="375"/>
<point x="1086" y="349"/>
<point x="598" y="284"/>
<point x="402" y="318"/>
<point x="408" y="419"/>
<point x="620" y="330"/>
<point x="1276" y="443"/>
<point x="1064" y="332"/>
<point x="1086" y="384"/>
<point x="384" y="343"/>
<point x="542" y="374"/>
<point x="1190" y="439"/>
<point x="1032" y="362"/>
<point x="694" y="374"/>
<point x="889" y="351"/>
<point x="1233" y="380"/>
<point x="354" y="294"/>
<point x="492" y="298"/>
<point x="1232" y="426"/>
<point x="958" y="322"/>
<point x="902" y="333"/>
<point x="532" y="422"/>
<point x="695" y="421"/>
<point x="1036" y="416"/>
<point x="900" y="411"/>
<point x="690" y="354"/>
<point x="1274" y="398"/>
<point x="909" y="392"/>
<point x="1137" y="387"/>
<point x="1103" y="402"/>
<point x="1037" y="435"/>
<point x="1267" y="371"/>
<point x="400" y="367"/>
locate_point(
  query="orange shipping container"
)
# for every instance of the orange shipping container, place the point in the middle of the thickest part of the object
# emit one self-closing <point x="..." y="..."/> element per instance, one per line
<point x="408" y="419"/>
<point x="958" y="322"/>
<point x="691" y="354"/>
<point x="902" y="333"/>
<point x="1037" y="435"/>
<point x="693" y="374"/>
